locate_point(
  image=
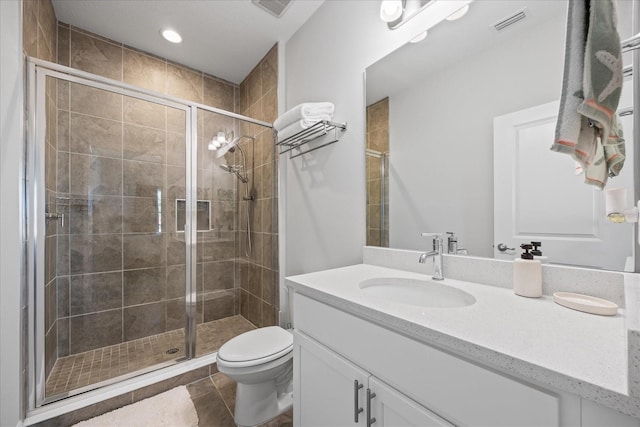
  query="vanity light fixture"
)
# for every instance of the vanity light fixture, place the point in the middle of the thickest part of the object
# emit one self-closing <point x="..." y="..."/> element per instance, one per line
<point x="391" y="10"/>
<point x="171" y="35"/>
<point x="458" y="13"/>
<point x="419" y="37"/>
<point x="398" y="12"/>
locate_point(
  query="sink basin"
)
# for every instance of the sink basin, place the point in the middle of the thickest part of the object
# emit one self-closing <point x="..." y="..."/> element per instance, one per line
<point x="419" y="293"/>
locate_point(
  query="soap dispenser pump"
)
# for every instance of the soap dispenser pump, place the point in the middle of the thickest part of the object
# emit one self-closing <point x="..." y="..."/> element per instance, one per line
<point x="527" y="274"/>
<point x="537" y="253"/>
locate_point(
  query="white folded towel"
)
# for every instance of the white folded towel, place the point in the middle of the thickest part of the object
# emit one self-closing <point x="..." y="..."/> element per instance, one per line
<point x="314" y="111"/>
<point x="292" y="129"/>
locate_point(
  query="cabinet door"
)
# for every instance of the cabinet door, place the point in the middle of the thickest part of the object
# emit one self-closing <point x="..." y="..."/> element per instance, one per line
<point x="390" y="408"/>
<point x="324" y="390"/>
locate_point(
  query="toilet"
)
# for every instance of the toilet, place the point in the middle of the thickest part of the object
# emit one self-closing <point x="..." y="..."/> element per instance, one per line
<point x="261" y="363"/>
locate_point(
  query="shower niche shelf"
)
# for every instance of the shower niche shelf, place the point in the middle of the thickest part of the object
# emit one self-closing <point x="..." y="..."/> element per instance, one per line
<point x="321" y="128"/>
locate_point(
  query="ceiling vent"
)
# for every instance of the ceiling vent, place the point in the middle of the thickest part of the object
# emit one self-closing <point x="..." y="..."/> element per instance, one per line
<point x="274" y="7"/>
<point x="509" y="20"/>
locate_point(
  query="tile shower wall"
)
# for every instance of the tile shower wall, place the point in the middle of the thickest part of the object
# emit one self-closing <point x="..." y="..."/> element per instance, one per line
<point x="39" y="40"/>
<point x="258" y="273"/>
<point x="377" y="202"/>
<point x="122" y="273"/>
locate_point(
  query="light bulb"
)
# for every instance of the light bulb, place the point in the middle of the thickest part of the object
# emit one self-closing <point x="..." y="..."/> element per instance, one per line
<point x="419" y="37"/>
<point x="458" y="13"/>
<point x="390" y="10"/>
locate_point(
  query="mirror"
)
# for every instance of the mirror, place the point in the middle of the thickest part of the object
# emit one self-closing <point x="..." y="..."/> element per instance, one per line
<point x="438" y="159"/>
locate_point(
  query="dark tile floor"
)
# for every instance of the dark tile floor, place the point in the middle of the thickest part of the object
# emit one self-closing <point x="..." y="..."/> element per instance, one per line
<point x="214" y="399"/>
<point x="92" y="367"/>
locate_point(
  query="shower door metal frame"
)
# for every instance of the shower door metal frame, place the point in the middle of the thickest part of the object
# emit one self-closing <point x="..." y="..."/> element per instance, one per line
<point x="38" y="71"/>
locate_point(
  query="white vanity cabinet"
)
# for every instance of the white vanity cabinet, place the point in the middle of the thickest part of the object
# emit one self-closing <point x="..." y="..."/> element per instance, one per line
<point x="414" y="383"/>
<point x="331" y="391"/>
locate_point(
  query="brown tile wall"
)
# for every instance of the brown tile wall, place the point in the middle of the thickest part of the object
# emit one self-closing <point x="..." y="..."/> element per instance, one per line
<point x="258" y="273"/>
<point x="39" y="41"/>
<point x="126" y="274"/>
<point x="377" y="140"/>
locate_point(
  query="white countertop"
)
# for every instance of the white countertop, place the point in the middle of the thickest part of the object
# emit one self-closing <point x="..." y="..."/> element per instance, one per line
<point x="533" y="338"/>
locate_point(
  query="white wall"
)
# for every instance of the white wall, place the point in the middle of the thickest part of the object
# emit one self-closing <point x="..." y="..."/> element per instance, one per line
<point x="325" y="191"/>
<point x="11" y="146"/>
<point x="441" y="136"/>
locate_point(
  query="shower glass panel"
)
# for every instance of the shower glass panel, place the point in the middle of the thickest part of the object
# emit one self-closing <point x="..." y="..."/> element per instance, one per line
<point x="224" y="179"/>
<point x="114" y="266"/>
<point x="377" y="168"/>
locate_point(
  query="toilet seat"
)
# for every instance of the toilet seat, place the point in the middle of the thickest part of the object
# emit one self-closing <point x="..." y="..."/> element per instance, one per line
<point x="256" y="347"/>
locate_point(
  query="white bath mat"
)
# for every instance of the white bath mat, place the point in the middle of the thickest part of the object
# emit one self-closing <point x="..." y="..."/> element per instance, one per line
<point x="172" y="408"/>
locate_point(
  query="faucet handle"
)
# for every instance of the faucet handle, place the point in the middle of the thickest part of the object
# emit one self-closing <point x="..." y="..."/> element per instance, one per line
<point x="434" y="235"/>
<point x="438" y="240"/>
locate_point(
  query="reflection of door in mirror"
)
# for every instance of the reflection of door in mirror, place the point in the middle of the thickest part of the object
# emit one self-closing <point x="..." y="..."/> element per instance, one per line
<point x="538" y="197"/>
<point x="377" y="178"/>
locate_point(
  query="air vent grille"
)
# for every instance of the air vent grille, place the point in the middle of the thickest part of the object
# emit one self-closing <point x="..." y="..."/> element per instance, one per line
<point x="274" y="7"/>
<point x="509" y="20"/>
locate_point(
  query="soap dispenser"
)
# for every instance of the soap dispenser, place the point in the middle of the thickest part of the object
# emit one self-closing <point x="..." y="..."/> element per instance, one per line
<point x="537" y="253"/>
<point x="527" y="274"/>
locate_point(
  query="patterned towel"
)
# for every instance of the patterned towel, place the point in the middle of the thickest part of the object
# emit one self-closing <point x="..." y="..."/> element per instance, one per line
<point x="588" y="128"/>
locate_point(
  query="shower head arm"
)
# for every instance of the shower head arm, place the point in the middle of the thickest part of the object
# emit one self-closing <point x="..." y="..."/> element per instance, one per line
<point x="221" y="151"/>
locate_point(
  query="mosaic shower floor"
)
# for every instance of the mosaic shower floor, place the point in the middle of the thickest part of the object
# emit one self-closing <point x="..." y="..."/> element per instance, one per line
<point x="84" y="369"/>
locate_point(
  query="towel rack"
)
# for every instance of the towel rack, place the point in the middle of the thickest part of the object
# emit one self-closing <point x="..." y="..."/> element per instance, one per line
<point x="305" y="136"/>
<point x="631" y="43"/>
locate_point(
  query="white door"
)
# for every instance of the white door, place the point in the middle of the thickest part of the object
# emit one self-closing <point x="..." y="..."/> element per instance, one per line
<point x="325" y="390"/>
<point x="538" y="196"/>
<point x="390" y="408"/>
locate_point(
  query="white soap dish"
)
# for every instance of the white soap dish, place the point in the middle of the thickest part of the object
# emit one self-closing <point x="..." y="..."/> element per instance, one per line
<point x="586" y="303"/>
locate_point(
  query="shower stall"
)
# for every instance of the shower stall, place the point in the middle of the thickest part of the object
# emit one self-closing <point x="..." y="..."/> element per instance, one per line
<point x="139" y="231"/>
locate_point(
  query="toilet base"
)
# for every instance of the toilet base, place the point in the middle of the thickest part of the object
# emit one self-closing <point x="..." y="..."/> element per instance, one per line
<point x="258" y="403"/>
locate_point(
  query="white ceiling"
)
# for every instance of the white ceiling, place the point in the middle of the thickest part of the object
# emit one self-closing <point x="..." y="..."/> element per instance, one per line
<point x="225" y="38"/>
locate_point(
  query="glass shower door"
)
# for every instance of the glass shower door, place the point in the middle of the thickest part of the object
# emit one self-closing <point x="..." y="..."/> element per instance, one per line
<point x="111" y="171"/>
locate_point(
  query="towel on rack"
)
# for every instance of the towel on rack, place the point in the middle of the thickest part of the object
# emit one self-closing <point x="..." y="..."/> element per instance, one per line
<point x="294" y="128"/>
<point x="588" y="127"/>
<point x="312" y="111"/>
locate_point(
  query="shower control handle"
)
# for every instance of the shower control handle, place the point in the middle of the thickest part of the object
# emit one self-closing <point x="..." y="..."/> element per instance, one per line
<point x="370" y="396"/>
<point x="356" y="406"/>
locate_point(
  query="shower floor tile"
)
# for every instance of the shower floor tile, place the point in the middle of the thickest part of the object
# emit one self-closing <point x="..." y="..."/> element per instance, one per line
<point x="91" y="367"/>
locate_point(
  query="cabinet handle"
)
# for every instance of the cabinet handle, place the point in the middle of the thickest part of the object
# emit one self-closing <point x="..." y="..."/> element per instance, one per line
<point x="369" y="397"/>
<point x="356" y="407"/>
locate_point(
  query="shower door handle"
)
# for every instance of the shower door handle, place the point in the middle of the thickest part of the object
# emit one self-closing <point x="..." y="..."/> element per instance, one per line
<point x="55" y="215"/>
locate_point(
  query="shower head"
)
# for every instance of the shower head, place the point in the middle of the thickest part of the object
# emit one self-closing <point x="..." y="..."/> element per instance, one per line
<point x="220" y="145"/>
<point x="221" y="151"/>
<point x="235" y="169"/>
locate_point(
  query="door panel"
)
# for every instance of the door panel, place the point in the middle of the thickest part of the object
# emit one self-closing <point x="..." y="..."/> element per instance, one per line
<point x="538" y="196"/>
<point x="324" y="386"/>
<point x="113" y="289"/>
<point x="392" y="409"/>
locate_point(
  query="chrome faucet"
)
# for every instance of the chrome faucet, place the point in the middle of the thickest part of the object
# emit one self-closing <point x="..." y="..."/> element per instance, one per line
<point x="436" y="253"/>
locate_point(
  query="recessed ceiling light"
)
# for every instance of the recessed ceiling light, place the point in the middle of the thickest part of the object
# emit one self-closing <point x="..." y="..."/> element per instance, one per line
<point x="458" y="13"/>
<point x="171" y="36"/>
<point x="419" y="37"/>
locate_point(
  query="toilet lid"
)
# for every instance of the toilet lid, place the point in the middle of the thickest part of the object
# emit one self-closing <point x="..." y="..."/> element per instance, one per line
<point x="257" y="344"/>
